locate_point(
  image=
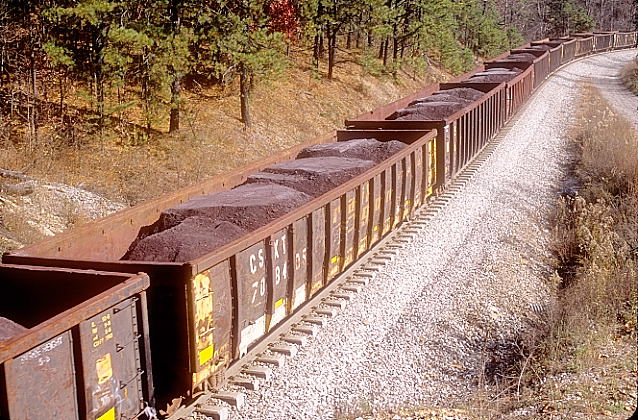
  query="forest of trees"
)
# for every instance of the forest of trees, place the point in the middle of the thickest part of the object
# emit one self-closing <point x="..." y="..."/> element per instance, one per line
<point x="65" y="61"/>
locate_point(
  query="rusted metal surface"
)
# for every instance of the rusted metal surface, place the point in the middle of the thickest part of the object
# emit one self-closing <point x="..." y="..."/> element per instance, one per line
<point x="85" y="351"/>
<point x="251" y="299"/>
<point x="300" y="256"/>
<point x="348" y="229"/>
<point x="398" y="195"/>
<point x="212" y="362"/>
<point x="603" y="41"/>
<point x="388" y="200"/>
<point x="26" y="378"/>
<point x="279" y="276"/>
<point x="408" y="187"/>
<point x="625" y="39"/>
<point x="446" y="143"/>
<point x="420" y="173"/>
<point x="376" y="218"/>
<point x="333" y="233"/>
<point x="584" y="45"/>
<point x="541" y="64"/>
<point x="317" y="241"/>
<point x="569" y="50"/>
<point x="364" y="208"/>
<point x="569" y="47"/>
<point x="555" y="53"/>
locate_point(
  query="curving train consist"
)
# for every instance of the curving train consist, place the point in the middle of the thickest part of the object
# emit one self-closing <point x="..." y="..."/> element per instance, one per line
<point x="216" y="266"/>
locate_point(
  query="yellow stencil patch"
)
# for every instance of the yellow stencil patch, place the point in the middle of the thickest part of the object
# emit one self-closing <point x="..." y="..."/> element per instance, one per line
<point x="109" y="415"/>
<point x="103" y="368"/>
<point x="279" y="303"/>
<point x="206" y="354"/>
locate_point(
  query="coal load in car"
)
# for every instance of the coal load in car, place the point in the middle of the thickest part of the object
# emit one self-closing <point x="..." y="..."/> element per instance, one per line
<point x="493" y="70"/>
<point x="540" y="47"/>
<point x="523" y="57"/>
<point x="244" y="208"/>
<point x="9" y="329"/>
<point x="444" y="97"/>
<point x="365" y="149"/>
<point x="462" y="93"/>
<point x="312" y="176"/>
<point x="190" y="239"/>
<point x="427" y="111"/>
<point x="497" y="77"/>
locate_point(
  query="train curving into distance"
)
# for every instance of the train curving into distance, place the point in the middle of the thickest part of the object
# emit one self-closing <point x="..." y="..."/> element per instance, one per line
<point x="155" y="302"/>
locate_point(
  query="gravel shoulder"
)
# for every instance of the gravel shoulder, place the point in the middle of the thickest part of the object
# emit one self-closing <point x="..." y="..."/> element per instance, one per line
<point x="462" y="294"/>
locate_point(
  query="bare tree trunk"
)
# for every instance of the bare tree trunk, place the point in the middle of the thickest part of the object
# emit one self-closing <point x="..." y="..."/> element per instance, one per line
<point x="332" y="50"/>
<point x="320" y="47"/>
<point x="175" y="86"/>
<point x="146" y="90"/>
<point x="174" y="116"/>
<point x="315" y="52"/>
<point x="33" y="115"/>
<point x="395" y="48"/>
<point x="99" y="96"/>
<point x="62" y="92"/>
<point x="386" y="47"/>
<point x="244" y="89"/>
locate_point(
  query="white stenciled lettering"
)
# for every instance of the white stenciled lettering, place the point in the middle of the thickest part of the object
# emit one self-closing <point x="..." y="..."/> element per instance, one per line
<point x="297" y="261"/>
<point x="276" y="249"/>
<point x="261" y="258"/>
<point x="283" y="244"/>
<point x="38" y="353"/>
<point x="258" y="287"/>
<point x="253" y="267"/>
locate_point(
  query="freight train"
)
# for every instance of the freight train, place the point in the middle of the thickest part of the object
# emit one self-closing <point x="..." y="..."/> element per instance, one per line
<point x="155" y="302"/>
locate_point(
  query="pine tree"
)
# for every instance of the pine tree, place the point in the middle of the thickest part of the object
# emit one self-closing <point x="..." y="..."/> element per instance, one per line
<point x="92" y="38"/>
<point x="240" y="39"/>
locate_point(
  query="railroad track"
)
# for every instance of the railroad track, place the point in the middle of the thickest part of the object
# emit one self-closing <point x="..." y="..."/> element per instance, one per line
<point x="288" y="337"/>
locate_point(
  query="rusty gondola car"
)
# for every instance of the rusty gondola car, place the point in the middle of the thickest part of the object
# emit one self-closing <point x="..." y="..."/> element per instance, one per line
<point x="206" y="312"/>
<point x="73" y="344"/>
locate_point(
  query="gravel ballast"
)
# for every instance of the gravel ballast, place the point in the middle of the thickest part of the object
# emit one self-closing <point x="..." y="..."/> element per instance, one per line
<point x="459" y="295"/>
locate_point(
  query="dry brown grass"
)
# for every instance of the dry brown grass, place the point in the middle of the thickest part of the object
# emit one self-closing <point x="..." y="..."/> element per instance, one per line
<point x="630" y="76"/>
<point x="124" y="164"/>
<point x="583" y="362"/>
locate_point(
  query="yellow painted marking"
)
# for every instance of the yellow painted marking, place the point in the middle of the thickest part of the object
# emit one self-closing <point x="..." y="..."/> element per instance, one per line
<point x="279" y="303"/>
<point x="376" y="227"/>
<point x="315" y="286"/>
<point x="334" y="259"/>
<point x="104" y="368"/>
<point x="109" y="415"/>
<point x="206" y="354"/>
